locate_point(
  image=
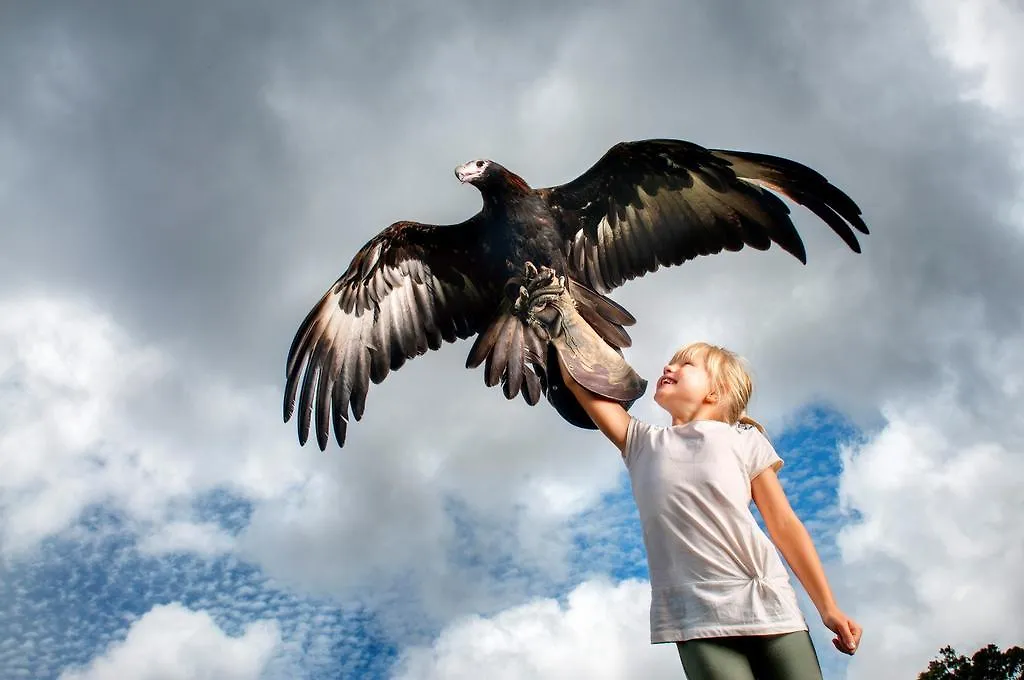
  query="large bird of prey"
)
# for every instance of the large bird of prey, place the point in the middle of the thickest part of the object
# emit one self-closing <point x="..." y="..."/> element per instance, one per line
<point x="643" y="205"/>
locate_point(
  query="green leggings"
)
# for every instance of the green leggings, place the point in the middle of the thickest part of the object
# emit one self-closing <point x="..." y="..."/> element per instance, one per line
<point x="789" y="656"/>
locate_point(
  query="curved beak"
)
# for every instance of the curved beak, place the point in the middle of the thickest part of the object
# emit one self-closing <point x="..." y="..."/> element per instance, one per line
<point x="467" y="172"/>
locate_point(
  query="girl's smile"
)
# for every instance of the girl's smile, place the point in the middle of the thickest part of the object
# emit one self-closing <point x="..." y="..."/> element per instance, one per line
<point x="684" y="390"/>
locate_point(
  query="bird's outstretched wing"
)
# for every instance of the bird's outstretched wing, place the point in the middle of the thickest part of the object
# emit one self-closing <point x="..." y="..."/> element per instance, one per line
<point x="661" y="202"/>
<point x="408" y="289"/>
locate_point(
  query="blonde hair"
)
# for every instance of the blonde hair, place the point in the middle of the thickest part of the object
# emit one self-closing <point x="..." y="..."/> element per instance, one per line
<point x="729" y="378"/>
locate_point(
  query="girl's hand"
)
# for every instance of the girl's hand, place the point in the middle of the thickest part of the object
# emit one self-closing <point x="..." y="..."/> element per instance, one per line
<point x="847" y="631"/>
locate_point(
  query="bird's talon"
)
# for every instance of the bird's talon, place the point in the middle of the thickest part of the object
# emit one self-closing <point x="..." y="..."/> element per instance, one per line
<point x="522" y="301"/>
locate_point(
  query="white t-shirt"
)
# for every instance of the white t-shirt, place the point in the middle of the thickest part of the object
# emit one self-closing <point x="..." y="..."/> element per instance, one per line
<point x="714" y="572"/>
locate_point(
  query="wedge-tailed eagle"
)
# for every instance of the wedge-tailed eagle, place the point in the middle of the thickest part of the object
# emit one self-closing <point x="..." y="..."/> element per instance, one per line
<point x="643" y="205"/>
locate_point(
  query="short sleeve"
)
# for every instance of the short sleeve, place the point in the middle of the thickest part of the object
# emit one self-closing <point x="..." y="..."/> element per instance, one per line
<point x="761" y="455"/>
<point x="638" y="433"/>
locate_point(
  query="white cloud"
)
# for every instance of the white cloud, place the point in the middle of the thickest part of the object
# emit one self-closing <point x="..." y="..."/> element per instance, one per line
<point x="171" y="642"/>
<point x="601" y="632"/>
<point x="983" y="39"/>
<point x="936" y="557"/>
<point x="203" y="538"/>
<point x="91" y="417"/>
<point x="66" y="373"/>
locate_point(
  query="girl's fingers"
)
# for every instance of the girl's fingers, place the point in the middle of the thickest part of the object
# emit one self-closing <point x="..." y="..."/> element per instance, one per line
<point x="848" y="637"/>
<point x="838" y="644"/>
<point x="857" y="632"/>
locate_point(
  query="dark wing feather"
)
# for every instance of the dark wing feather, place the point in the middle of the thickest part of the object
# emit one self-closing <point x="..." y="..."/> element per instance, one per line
<point x="661" y="202"/>
<point x="408" y="290"/>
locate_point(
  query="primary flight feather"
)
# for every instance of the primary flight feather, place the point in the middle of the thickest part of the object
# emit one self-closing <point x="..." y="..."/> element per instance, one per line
<point x="643" y="205"/>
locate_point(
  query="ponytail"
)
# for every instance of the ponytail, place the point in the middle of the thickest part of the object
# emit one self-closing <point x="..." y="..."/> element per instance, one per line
<point x="747" y="420"/>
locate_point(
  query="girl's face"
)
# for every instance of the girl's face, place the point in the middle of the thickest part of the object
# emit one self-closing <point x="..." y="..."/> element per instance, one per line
<point x="684" y="386"/>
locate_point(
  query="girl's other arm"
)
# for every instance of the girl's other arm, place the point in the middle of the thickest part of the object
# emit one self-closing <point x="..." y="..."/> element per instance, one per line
<point x="608" y="415"/>
<point x="795" y="544"/>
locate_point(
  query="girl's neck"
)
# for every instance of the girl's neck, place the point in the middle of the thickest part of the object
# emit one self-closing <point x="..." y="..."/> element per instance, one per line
<point x="702" y="412"/>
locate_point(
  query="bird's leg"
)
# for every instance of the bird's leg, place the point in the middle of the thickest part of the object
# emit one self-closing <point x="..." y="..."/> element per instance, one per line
<point x="545" y="302"/>
<point x="536" y="288"/>
<point x="533" y="277"/>
<point x="545" y="277"/>
<point x="541" y="281"/>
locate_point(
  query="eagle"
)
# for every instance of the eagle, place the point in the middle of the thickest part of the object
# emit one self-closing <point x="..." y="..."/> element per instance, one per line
<point x="642" y="206"/>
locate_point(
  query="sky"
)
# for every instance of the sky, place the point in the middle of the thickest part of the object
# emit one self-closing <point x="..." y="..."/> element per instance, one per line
<point x="181" y="181"/>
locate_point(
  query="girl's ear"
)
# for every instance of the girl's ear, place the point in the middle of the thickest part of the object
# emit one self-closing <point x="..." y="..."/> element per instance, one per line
<point x="711" y="397"/>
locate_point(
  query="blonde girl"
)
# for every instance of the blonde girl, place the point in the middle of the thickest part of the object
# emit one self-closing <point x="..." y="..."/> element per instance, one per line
<point x="718" y="587"/>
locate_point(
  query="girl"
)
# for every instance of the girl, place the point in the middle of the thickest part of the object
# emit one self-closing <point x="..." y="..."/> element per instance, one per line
<point x="718" y="587"/>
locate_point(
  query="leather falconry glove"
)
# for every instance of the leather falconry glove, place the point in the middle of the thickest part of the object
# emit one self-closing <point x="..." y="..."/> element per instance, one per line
<point x="546" y="305"/>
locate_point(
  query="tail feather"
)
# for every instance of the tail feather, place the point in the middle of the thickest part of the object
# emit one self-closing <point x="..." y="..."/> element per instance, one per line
<point x="512" y="355"/>
<point x="496" y="364"/>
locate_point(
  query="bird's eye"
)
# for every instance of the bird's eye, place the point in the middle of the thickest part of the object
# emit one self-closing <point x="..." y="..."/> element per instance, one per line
<point x="479" y="164"/>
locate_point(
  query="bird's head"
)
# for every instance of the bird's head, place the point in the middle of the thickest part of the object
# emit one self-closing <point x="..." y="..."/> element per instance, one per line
<point x="493" y="180"/>
<point x="476" y="172"/>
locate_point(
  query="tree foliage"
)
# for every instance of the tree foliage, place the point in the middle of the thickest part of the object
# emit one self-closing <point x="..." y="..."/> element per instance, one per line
<point x="988" y="663"/>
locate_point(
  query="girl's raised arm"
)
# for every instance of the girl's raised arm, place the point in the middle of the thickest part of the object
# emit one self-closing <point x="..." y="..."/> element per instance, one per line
<point x="608" y="415"/>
